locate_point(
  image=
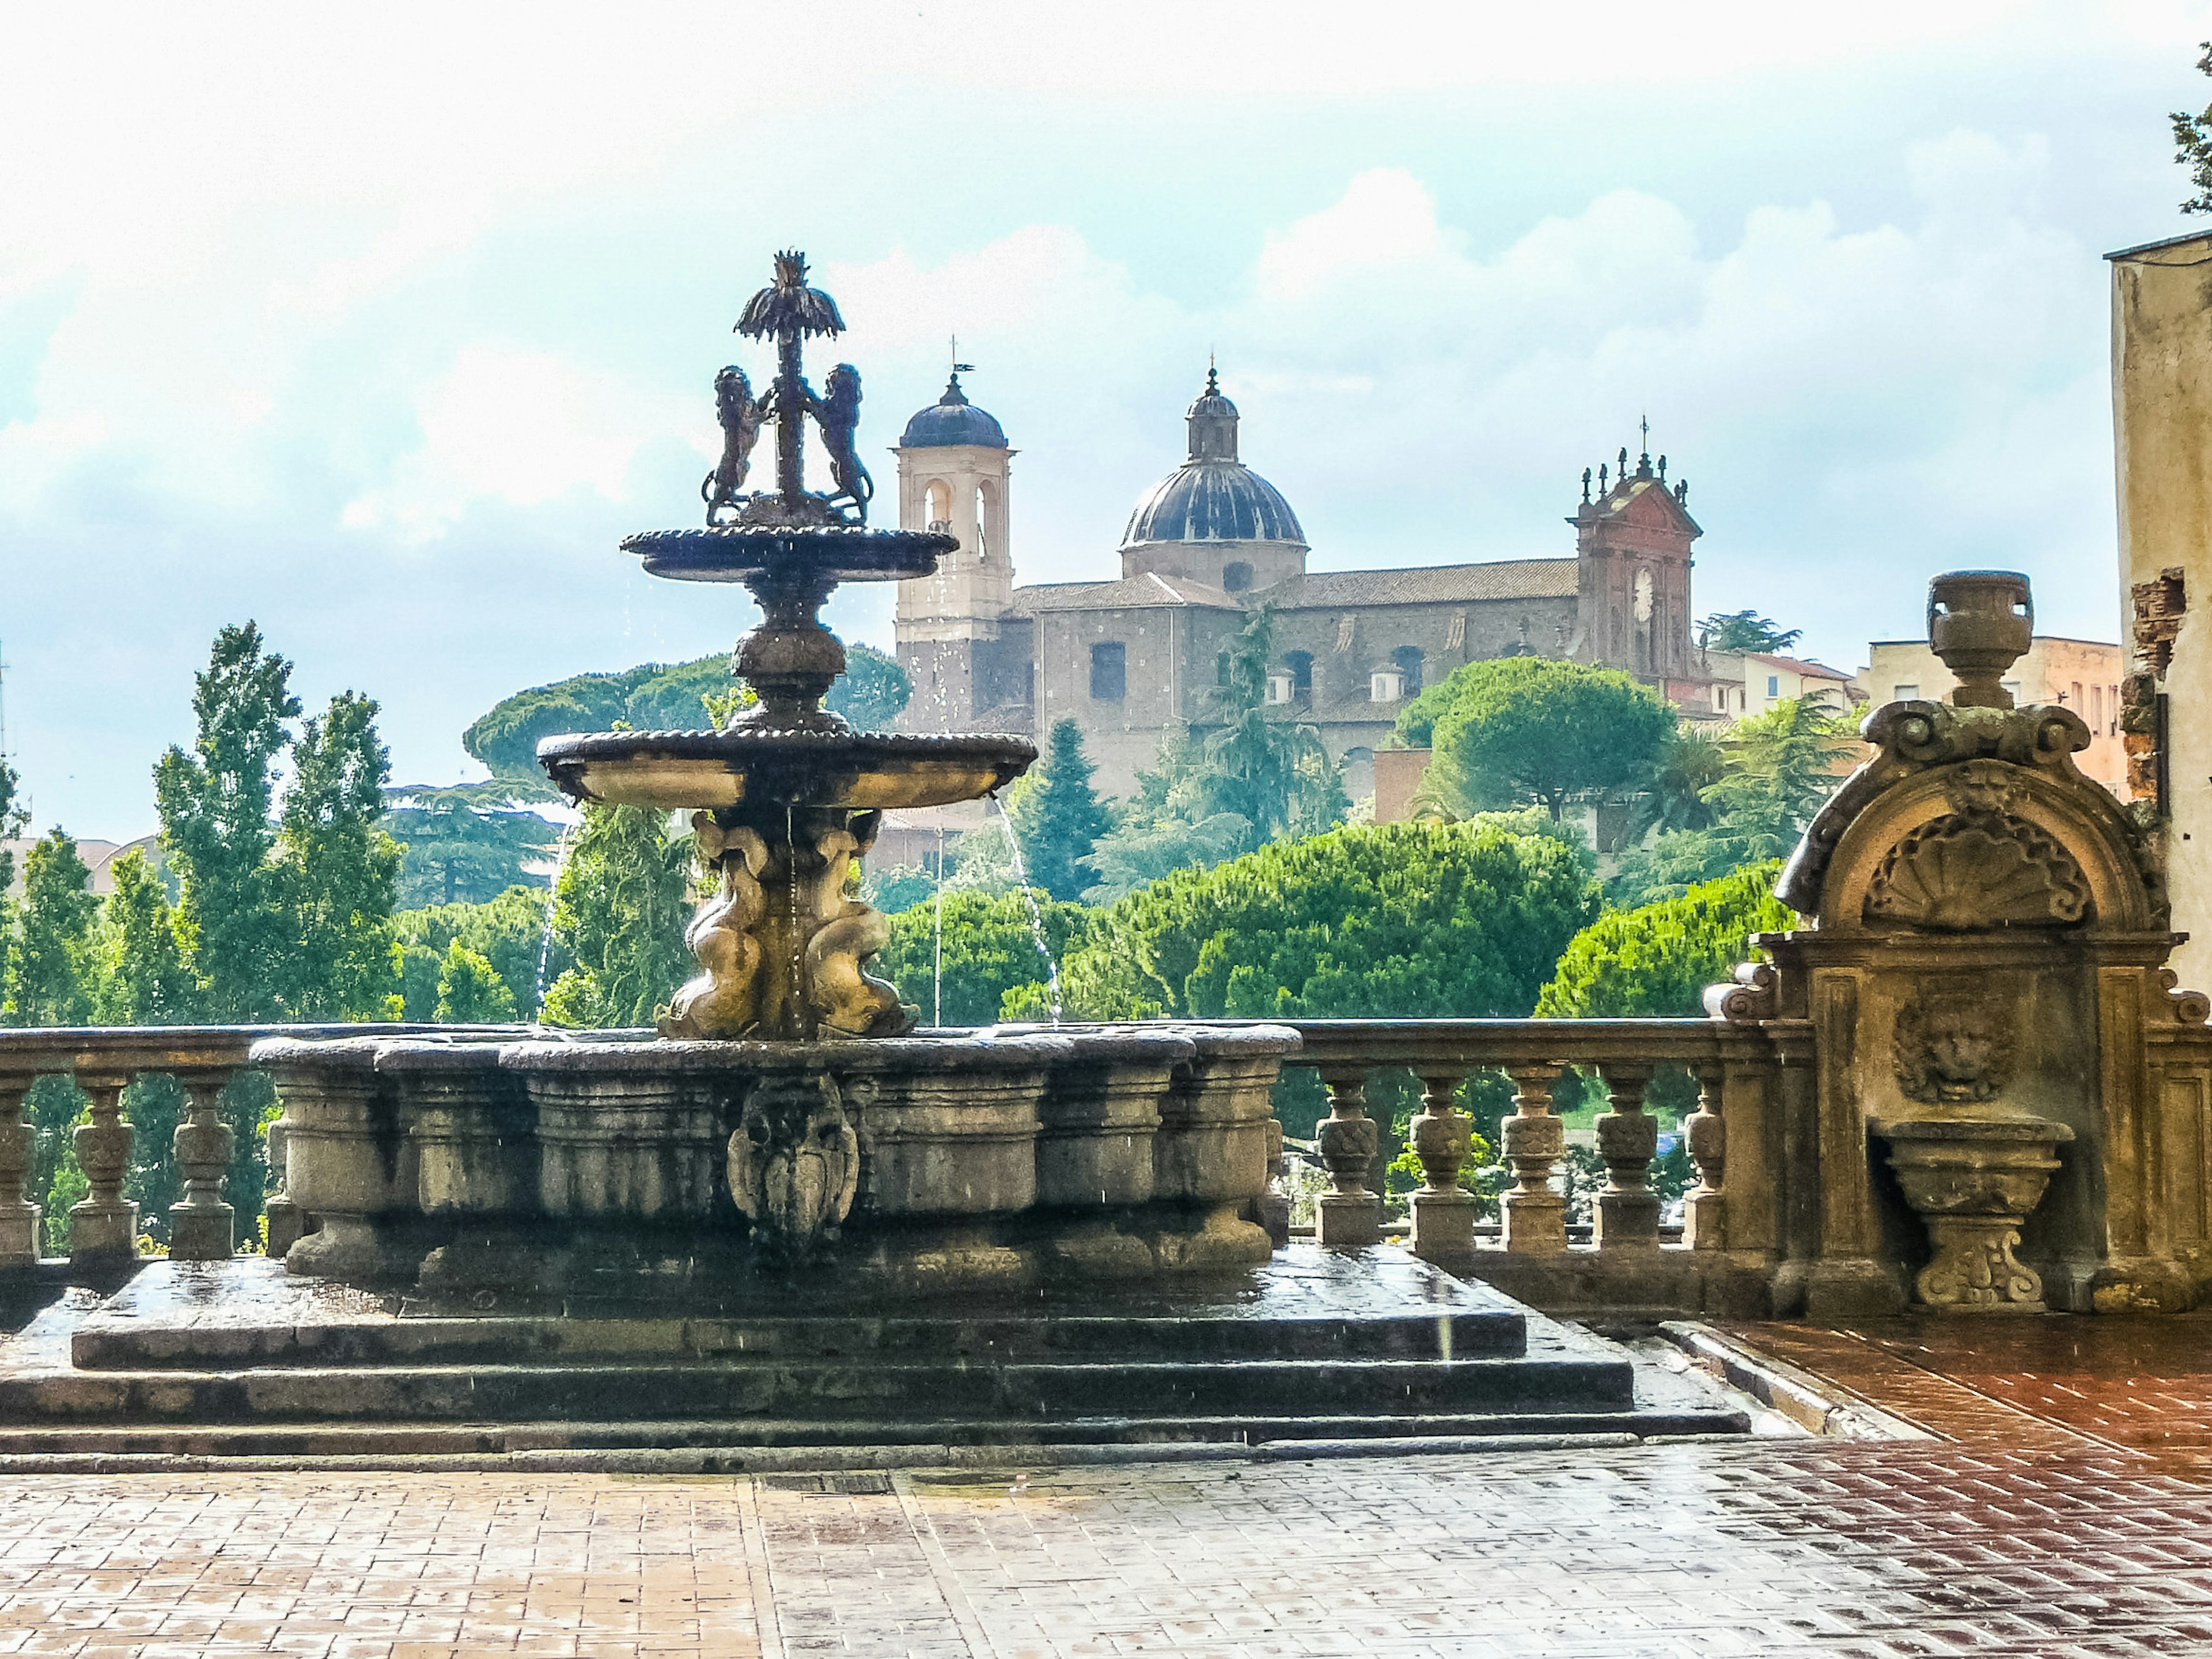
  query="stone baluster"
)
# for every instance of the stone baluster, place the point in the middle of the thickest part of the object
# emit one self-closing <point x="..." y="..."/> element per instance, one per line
<point x="287" y="1223"/>
<point x="1535" y="1217"/>
<point x="1349" y="1216"/>
<point x="1704" y="1213"/>
<point x="1627" y="1139"/>
<point x="201" y="1226"/>
<point x="18" y="1216"/>
<point x="104" y="1229"/>
<point x="1443" y="1214"/>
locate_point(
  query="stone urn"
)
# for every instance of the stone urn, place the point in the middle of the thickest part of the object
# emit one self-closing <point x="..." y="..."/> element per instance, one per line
<point x="1980" y="622"/>
<point x="1973" y="1181"/>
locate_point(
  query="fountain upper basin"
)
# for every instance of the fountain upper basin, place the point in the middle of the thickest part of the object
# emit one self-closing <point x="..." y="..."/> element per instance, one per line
<point x="687" y="770"/>
<point x="729" y="553"/>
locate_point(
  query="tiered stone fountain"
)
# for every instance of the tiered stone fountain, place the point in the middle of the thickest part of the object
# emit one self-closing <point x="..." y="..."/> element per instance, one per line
<point x="783" y="1117"/>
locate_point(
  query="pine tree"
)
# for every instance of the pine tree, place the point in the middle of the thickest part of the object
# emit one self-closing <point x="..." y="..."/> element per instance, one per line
<point x="1061" y="819"/>
<point x="337" y="869"/>
<point x="463" y="845"/>
<point x="51" y="980"/>
<point x="214" y="805"/>
<point x="143" y="979"/>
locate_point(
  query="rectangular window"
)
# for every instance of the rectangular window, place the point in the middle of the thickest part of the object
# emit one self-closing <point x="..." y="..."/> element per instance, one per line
<point x="1109" y="671"/>
<point x="1774" y="685"/>
<point x="1905" y="694"/>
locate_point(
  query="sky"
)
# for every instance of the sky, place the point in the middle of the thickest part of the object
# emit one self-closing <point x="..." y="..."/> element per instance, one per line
<point x="383" y="327"/>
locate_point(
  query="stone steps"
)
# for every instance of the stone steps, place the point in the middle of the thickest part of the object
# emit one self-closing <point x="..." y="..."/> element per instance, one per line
<point x="827" y="1391"/>
<point x="239" y="1359"/>
<point x="409" y="1439"/>
<point x="105" y="1343"/>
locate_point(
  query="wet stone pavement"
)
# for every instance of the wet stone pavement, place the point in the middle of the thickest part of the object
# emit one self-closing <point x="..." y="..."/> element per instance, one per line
<point x="2068" y="1511"/>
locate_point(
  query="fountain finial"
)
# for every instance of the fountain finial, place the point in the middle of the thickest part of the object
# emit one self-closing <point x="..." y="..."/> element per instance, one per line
<point x="1980" y="622"/>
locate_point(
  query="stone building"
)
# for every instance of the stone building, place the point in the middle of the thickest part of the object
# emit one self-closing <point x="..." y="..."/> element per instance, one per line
<point x="2162" y="420"/>
<point x="1133" y="658"/>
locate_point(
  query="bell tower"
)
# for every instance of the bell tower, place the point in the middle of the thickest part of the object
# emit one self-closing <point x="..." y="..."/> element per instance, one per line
<point x="1632" y="567"/>
<point x="970" y="669"/>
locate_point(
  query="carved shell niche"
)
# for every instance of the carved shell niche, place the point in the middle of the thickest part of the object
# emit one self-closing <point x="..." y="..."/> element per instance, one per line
<point x="1967" y="873"/>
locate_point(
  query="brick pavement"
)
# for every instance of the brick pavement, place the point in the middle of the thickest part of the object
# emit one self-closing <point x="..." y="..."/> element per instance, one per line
<point x="2070" y="1514"/>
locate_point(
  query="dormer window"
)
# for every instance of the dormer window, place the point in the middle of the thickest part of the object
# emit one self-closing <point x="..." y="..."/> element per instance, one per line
<point x="1386" y="685"/>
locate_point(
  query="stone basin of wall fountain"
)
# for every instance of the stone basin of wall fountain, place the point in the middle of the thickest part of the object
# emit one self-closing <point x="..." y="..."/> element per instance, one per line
<point x="786" y="1118"/>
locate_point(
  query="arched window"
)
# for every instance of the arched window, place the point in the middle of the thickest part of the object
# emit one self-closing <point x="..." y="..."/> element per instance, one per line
<point x="982" y="521"/>
<point x="1406" y="659"/>
<point x="1300" y="663"/>
<point x="1235" y="578"/>
<point x="940" y="502"/>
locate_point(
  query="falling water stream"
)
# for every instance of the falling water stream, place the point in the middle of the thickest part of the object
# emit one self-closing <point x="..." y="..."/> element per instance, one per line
<point x="552" y="895"/>
<point x="1028" y="899"/>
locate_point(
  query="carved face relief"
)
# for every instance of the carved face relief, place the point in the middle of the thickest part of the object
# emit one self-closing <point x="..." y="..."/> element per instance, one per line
<point x="1950" y="1049"/>
<point x="794" y="1162"/>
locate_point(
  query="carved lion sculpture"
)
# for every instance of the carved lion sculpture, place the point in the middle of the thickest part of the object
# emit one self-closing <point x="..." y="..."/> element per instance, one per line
<point x="794" y="1162"/>
<point x="740" y="415"/>
<point x="839" y="412"/>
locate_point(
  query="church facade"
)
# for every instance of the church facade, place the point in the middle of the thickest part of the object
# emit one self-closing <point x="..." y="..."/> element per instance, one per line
<point x="1133" y="658"/>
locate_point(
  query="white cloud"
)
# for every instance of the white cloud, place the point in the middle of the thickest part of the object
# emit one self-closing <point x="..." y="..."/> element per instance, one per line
<point x="518" y="427"/>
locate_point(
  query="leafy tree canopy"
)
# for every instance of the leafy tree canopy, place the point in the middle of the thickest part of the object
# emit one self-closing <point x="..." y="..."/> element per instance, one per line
<point x="1745" y="630"/>
<point x="507" y="931"/>
<point x="337" y="868"/>
<point x="1655" y="961"/>
<point x="1405" y="920"/>
<point x="659" y="697"/>
<point x="619" y="913"/>
<point x="1515" y="730"/>
<point x="52" y="969"/>
<point x="143" y="979"/>
<point x="1779" y="769"/>
<point x="989" y="950"/>
<point x="217" y="830"/>
<point x="470" y="990"/>
<point x="2192" y="142"/>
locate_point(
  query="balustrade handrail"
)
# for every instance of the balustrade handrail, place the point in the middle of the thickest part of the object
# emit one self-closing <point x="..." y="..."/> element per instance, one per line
<point x="1486" y="1043"/>
<point x="40" y="1051"/>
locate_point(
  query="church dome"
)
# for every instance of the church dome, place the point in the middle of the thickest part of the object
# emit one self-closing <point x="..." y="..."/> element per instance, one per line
<point x="953" y="420"/>
<point x="1213" y="496"/>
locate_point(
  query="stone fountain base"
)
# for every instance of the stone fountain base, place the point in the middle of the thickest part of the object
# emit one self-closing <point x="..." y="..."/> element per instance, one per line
<point x="1313" y="1351"/>
<point x="718" y="1174"/>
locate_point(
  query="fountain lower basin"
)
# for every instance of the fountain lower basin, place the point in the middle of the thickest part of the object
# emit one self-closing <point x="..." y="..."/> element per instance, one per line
<point x="679" y="771"/>
<point x="952" y="1161"/>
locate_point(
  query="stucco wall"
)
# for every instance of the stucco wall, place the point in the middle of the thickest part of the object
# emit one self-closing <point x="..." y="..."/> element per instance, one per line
<point x="2049" y="673"/>
<point x="2162" y="428"/>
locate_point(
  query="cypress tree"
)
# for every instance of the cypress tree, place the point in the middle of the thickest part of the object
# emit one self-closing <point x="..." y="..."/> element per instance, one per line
<point x="1060" y="817"/>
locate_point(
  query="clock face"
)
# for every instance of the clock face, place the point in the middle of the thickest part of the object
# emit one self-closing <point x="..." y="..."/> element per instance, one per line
<point x="1643" y="596"/>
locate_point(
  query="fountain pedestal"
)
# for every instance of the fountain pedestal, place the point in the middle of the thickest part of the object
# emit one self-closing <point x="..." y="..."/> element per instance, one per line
<point x="1973" y="1181"/>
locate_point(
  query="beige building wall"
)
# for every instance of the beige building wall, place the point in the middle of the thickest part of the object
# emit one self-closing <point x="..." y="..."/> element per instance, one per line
<point x="2081" y="675"/>
<point x="2162" y="432"/>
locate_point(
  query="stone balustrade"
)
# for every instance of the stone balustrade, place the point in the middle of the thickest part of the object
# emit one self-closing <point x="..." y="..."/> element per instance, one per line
<point x="103" y="1062"/>
<point x="1731" y="1234"/>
